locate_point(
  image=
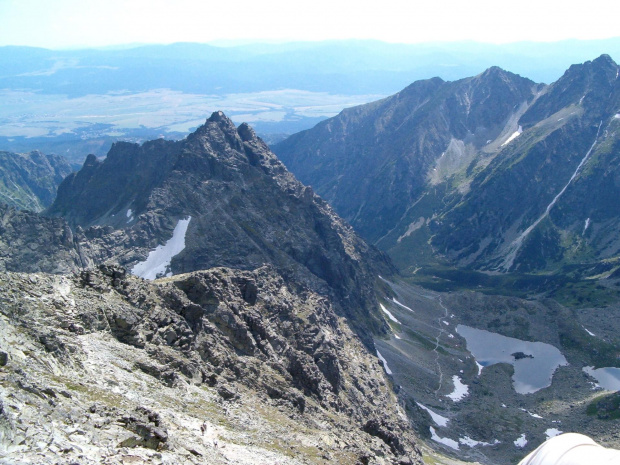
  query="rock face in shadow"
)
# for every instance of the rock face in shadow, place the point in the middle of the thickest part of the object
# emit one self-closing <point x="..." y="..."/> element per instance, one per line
<point x="29" y="180"/>
<point x="373" y="161"/>
<point x="246" y="209"/>
<point x="32" y="243"/>
<point x="546" y="200"/>
<point x="212" y="366"/>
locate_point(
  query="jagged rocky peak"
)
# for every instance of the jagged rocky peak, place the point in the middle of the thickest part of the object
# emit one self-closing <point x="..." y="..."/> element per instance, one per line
<point x="218" y="198"/>
<point x="219" y="138"/>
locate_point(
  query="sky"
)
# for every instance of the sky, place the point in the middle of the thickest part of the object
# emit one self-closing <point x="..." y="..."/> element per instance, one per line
<point x="94" y="23"/>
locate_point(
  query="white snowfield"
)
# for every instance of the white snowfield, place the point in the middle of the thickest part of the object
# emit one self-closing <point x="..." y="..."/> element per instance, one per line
<point x="451" y="443"/>
<point x="460" y="390"/>
<point x="521" y="441"/>
<point x="157" y="263"/>
<point x="384" y="361"/>
<point x="401" y="305"/>
<point x="389" y="314"/>
<point x="513" y="136"/>
<point x="438" y="419"/>
<point x="571" y="449"/>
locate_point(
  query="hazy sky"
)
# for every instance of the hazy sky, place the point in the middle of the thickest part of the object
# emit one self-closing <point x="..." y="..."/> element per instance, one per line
<point x="78" y="23"/>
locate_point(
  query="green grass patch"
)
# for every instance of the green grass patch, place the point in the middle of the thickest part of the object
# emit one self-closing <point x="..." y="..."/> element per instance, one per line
<point x="605" y="407"/>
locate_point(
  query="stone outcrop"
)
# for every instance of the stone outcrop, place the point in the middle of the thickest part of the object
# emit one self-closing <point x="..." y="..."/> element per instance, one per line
<point x="32" y="243"/>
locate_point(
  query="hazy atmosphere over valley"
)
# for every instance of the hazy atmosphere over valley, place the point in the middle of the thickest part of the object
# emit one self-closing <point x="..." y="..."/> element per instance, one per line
<point x="279" y="233"/>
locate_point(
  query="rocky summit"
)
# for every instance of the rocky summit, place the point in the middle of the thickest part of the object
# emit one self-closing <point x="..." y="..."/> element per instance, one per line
<point x="240" y="206"/>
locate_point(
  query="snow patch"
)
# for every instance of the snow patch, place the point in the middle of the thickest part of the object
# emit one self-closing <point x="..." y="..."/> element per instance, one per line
<point x="445" y="441"/>
<point x="521" y="441"/>
<point x="384" y="361"/>
<point x="617" y="116"/>
<point x="157" y="263"/>
<point x="129" y="215"/>
<point x="587" y="223"/>
<point x="589" y="332"/>
<point x="445" y="323"/>
<point x="401" y="305"/>
<point x="480" y="367"/>
<point x="389" y="314"/>
<point x="530" y="413"/>
<point x="397" y="336"/>
<point x="460" y="390"/>
<point x="438" y="419"/>
<point x="467" y="441"/>
<point x="513" y="136"/>
<point x="451" y="336"/>
<point x="552" y="432"/>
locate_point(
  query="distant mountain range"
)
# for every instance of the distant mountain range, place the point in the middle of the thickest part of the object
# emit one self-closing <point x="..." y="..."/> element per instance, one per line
<point x="491" y="173"/>
<point x="74" y="102"/>
<point x="348" y="67"/>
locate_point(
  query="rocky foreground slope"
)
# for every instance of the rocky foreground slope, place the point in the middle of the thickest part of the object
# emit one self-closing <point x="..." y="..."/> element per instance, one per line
<point x="251" y="347"/>
<point x="217" y="366"/>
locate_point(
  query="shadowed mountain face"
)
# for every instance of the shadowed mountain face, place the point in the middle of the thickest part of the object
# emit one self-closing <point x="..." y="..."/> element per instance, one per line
<point x="373" y="161"/>
<point x="240" y="205"/>
<point x="492" y="172"/>
<point x="550" y="197"/>
<point x="29" y="180"/>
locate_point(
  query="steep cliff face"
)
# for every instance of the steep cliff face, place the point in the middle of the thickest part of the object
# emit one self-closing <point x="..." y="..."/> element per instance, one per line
<point x="32" y="243"/>
<point x="214" y="366"/>
<point x="373" y="161"/>
<point x="30" y="180"/>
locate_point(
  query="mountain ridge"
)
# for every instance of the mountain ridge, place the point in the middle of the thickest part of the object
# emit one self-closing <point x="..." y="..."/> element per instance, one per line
<point x="471" y="202"/>
<point x="411" y="131"/>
